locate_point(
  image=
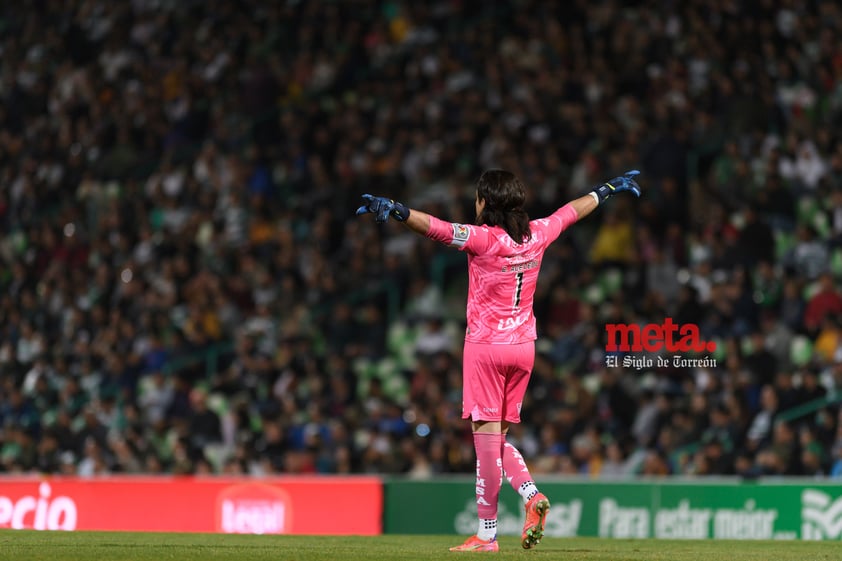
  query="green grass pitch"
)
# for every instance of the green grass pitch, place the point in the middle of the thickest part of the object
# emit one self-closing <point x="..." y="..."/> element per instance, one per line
<point x="20" y="545"/>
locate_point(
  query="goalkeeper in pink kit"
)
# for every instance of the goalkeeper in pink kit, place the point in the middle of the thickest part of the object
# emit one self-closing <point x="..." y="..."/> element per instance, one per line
<point x="504" y="251"/>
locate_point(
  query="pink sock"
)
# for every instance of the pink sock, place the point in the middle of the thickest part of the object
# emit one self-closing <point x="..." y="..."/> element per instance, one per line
<point x="513" y="466"/>
<point x="489" y="472"/>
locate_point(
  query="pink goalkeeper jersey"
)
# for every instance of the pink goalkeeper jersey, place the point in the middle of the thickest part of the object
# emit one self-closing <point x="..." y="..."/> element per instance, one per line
<point x="502" y="275"/>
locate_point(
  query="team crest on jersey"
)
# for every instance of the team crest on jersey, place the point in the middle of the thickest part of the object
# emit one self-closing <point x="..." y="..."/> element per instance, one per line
<point x="461" y="233"/>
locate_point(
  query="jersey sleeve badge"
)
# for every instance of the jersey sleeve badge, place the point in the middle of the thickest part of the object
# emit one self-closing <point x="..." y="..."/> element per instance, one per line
<point x="461" y="233"/>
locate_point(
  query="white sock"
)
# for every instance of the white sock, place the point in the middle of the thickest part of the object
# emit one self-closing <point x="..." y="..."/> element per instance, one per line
<point x="487" y="528"/>
<point x="527" y="490"/>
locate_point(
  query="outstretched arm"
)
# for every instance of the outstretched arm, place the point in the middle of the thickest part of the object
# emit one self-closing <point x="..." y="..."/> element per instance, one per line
<point x="586" y="204"/>
<point x="579" y="208"/>
<point x="418" y="221"/>
<point x="465" y="237"/>
<point x="383" y="208"/>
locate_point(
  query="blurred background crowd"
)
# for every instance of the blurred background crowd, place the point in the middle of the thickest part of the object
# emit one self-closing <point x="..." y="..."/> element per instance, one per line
<point x="184" y="287"/>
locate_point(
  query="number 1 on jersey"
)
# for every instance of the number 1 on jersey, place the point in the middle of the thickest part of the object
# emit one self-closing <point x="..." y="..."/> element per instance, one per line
<point x="518" y="289"/>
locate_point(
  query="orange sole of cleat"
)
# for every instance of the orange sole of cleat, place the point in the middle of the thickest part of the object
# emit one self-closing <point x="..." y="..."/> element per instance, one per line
<point x="475" y="545"/>
<point x="534" y="534"/>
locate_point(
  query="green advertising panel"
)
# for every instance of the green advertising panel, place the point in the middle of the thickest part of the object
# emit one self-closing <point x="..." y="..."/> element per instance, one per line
<point x="720" y="509"/>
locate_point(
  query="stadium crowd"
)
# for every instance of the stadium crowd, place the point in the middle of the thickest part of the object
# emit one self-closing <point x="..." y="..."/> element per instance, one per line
<point x="184" y="287"/>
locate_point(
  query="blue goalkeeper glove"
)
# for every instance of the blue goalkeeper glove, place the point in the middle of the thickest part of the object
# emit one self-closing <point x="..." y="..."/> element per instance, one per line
<point x="383" y="208"/>
<point x="625" y="182"/>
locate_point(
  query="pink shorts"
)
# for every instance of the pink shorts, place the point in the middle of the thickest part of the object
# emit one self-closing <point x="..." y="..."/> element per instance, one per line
<point x="494" y="380"/>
